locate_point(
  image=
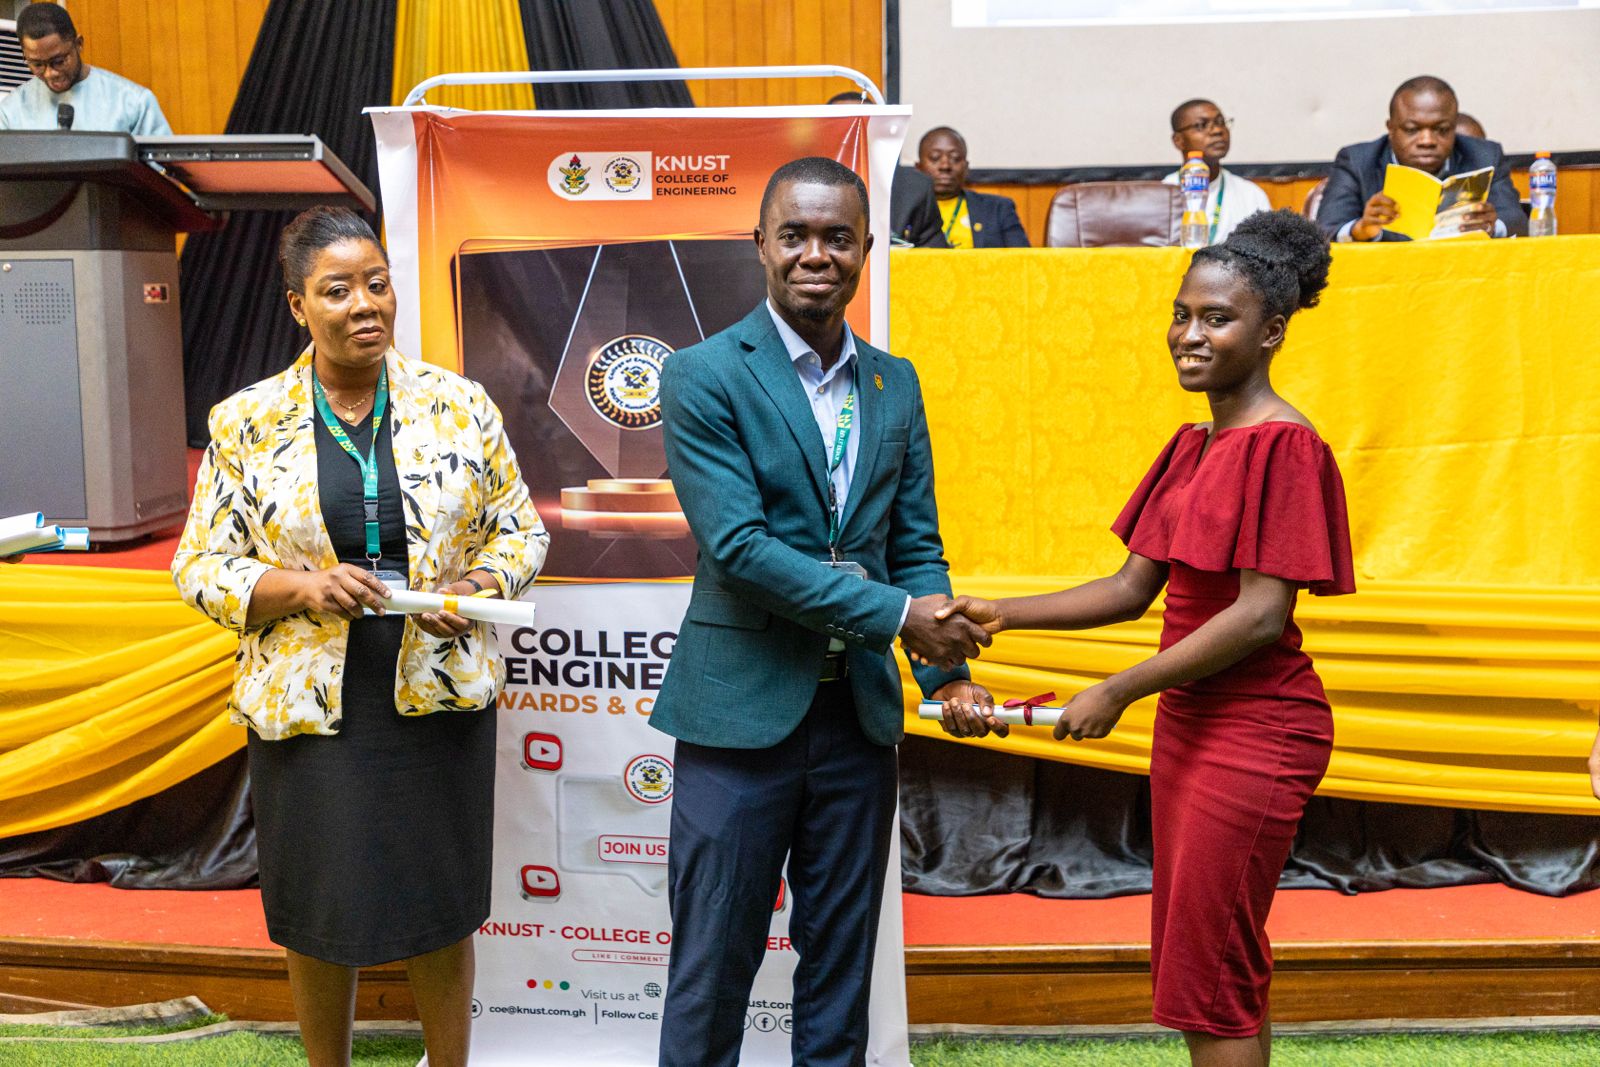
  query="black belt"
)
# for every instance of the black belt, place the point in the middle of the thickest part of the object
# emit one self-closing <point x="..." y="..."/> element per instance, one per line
<point x="835" y="667"/>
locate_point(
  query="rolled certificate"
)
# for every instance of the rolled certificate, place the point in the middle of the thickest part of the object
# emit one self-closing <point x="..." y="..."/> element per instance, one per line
<point x="476" y="608"/>
<point x="1015" y="714"/>
<point x="28" y="532"/>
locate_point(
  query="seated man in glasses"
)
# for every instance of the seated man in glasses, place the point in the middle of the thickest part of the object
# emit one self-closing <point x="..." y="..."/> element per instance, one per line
<point x="1198" y="126"/>
<point x="98" y="99"/>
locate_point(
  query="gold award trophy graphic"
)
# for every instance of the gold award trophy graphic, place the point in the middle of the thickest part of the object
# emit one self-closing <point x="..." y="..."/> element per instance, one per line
<point x="608" y="392"/>
<point x="619" y="422"/>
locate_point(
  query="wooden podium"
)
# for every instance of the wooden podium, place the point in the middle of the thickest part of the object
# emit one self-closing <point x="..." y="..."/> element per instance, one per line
<point x="91" y="342"/>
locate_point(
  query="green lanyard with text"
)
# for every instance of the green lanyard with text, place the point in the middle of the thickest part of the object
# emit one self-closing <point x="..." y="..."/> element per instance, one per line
<point x="369" y="466"/>
<point x="841" y="443"/>
<point x="1216" y="209"/>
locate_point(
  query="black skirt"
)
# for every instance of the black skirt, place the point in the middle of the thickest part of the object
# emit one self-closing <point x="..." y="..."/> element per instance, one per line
<point x="374" y="844"/>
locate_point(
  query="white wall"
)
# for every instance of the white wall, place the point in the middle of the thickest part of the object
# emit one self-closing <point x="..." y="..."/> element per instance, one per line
<point x="1067" y="97"/>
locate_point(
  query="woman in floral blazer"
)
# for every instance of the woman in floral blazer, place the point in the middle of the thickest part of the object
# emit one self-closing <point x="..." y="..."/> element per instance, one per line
<point x="371" y="737"/>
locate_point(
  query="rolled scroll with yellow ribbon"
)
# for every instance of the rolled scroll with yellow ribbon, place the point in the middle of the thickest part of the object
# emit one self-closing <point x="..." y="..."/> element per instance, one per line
<point x="477" y="608"/>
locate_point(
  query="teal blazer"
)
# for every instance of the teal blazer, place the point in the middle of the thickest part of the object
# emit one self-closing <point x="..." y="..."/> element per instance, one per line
<point x="750" y="469"/>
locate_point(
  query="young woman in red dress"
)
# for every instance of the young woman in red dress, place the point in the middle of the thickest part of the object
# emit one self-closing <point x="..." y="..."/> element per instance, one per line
<point x="1234" y="519"/>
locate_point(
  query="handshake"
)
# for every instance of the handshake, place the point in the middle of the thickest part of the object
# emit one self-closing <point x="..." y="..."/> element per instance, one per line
<point x="941" y="632"/>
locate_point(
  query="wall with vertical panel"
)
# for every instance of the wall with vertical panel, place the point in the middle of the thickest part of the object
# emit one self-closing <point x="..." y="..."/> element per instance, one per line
<point x="716" y="33"/>
<point x="190" y="54"/>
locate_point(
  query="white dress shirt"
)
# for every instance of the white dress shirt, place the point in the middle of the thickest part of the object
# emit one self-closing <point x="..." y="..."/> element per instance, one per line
<point x="827" y="391"/>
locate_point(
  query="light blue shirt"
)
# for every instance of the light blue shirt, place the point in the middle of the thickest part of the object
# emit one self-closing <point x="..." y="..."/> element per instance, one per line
<point x="827" y="391"/>
<point x="102" y="101"/>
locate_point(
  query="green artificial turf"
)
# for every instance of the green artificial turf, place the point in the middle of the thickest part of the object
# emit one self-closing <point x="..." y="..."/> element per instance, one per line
<point x="113" y="1030"/>
<point x="229" y="1050"/>
<point x="1527" y="1049"/>
<point x="1537" y="1049"/>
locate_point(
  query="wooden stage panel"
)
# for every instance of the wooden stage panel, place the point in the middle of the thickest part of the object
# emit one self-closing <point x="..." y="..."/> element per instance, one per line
<point x="44" y="974"/>
<point x="986" y="986"/>
<point x="1109" y="985"/>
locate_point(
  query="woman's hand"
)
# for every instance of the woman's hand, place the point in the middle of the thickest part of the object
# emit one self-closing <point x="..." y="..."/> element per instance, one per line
<point x="343" y="590"/>
<point x="959" y="719"/>
<point x="447" y="625"/>
<point x="1092" y="713"/>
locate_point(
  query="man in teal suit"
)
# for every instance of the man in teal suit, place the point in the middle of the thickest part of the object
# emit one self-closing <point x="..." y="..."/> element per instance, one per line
<point x="802" y="460"/>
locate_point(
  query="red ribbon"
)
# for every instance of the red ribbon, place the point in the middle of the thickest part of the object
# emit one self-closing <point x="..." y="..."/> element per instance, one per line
<point x="1028" y="705"/>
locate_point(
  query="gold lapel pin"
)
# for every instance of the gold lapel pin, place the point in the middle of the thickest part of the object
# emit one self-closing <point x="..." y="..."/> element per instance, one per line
<point x="877" y="379"/>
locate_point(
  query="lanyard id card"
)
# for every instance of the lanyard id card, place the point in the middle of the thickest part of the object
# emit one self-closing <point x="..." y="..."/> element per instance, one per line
<point x="369" y="465"/>
<point x="847" y="566"/>
<point x="393" y="579"/>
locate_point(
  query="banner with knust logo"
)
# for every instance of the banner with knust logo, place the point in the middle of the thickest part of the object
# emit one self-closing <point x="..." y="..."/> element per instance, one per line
<point x="560" y="259"/>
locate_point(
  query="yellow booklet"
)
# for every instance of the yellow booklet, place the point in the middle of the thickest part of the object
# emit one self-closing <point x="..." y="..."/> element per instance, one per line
<point x="1430" y="208"/>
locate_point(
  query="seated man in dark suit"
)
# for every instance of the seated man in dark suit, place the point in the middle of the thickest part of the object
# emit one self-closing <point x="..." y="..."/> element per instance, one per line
<point x="971" y="219"/>
<point x="913" y="213"/>
<point x="1422" y="134"/>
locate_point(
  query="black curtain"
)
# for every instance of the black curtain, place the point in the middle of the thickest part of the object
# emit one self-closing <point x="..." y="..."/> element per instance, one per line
<point x="599" y="35"/>
<point x="315" y="65"/>
<point x="977" y="821"/>
<point x="198" y="834"/>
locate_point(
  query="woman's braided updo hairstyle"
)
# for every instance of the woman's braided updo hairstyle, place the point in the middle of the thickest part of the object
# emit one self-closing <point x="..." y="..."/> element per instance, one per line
<point x="1281" y="255"/>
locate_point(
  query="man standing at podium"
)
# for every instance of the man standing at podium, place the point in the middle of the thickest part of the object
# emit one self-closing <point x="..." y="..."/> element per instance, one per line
<point x="67" y="93"/>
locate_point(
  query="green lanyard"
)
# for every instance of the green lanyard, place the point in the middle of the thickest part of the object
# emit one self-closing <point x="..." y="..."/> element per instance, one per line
<point x="369" y="466"/>
<point x="841" y="443"/>
<point x="1216" y="209"/>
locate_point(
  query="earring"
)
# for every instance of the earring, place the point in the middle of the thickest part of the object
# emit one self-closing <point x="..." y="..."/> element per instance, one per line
<point x="302" y="322"/>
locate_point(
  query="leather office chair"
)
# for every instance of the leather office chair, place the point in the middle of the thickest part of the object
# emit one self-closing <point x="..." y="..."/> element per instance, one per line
<point x="1314" y="200"/>
<point x="1114" y="214"/>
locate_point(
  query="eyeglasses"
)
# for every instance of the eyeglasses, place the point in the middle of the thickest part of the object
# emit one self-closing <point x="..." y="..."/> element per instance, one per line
<point x="39" y="66"/>
<point x="1216" y="122"/>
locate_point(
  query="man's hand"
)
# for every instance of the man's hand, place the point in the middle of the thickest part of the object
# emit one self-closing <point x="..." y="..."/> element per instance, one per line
<point x="1092" y="713"/>
<point x="985" y="613"/>
<point x="959" y="719"/>
<point x="341" y="590"/>
<point x="945" y="643"/>
<point x="1379" y="212"/>
<point x="1479" y="216"/>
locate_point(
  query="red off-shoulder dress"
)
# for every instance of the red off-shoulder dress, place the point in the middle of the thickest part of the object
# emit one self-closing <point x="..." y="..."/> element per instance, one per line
<point x="1235" y="755"/>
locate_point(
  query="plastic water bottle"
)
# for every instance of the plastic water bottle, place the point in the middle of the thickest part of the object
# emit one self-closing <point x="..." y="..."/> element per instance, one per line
<point x="1542" y="183"/>
<point x="1195" y="181"/>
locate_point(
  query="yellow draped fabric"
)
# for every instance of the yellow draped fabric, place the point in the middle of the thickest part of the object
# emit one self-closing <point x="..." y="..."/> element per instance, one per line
<point x="111" y="689"/>
<point x="454" y="36"/>
<point x="1456" y="384"/>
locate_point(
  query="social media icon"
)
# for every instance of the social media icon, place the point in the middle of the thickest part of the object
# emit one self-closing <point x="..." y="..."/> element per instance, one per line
<point x="541" y="752"/>
<point x="540" y="883"/>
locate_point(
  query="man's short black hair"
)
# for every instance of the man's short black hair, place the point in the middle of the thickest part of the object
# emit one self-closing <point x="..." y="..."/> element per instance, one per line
<point x="962" y="141"/>
<point x="1422" y="83"/>
<point x="850" y="96"/>
<point x="43" y="20"/>
<point x="1177" y="112"/>
<point x="815" y="170"/>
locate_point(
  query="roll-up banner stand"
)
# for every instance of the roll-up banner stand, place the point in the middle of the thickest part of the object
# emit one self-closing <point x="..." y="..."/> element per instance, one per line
<point x="560" y="258"/>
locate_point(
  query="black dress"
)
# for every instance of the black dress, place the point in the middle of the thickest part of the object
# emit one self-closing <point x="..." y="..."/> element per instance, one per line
<point x="374" y="844"/>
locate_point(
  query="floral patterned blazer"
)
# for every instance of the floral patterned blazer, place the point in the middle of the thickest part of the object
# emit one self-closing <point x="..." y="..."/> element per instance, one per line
<point x="256" y="508"/>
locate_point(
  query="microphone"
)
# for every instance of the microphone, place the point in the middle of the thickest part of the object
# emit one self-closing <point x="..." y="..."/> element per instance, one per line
<point x="64" y="117"/>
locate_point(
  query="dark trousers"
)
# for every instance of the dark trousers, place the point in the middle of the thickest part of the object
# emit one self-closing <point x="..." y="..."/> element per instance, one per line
<point x="824" y="798"/>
